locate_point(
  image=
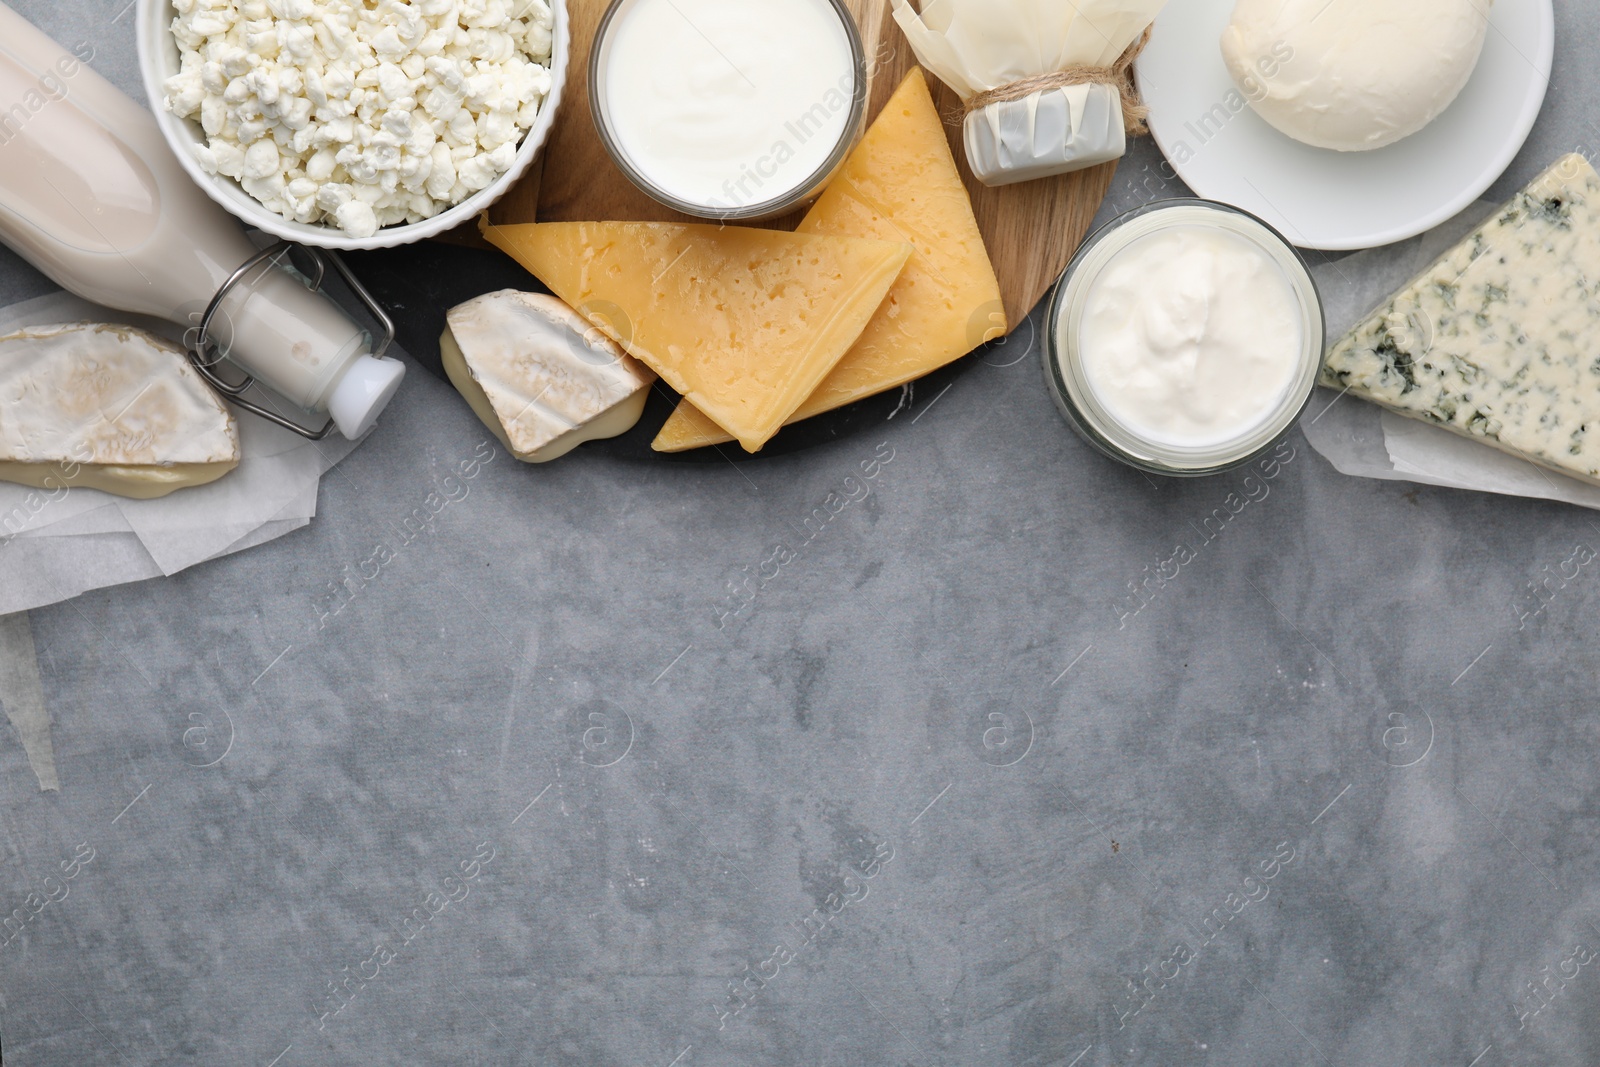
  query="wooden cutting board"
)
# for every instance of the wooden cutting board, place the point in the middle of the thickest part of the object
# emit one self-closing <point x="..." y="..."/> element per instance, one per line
<point x="1032" y="230"/>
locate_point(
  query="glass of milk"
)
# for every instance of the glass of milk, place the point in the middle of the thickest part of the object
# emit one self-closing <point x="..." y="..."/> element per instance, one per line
<point x="1185" y="338"/>
<point x="728" y="109"/>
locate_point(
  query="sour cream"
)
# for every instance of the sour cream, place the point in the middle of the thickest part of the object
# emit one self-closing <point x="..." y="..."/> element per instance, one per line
<point x="1191" y="336"/>
<point x="1184" y="338"/>
<point x="728" y="105"/>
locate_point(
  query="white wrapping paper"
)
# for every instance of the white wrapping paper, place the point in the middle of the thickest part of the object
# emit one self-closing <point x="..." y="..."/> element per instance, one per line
<point x="1054" y="132"/>
<point x="976" y="46"/>
<point x="1365" y="441"/>
<point x="54" y="546"/>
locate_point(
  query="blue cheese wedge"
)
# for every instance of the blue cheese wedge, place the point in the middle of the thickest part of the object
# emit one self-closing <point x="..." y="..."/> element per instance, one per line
<point x="539" y="375"/>
<point x="109" y="408"/>
<point x="1500" y="339"/>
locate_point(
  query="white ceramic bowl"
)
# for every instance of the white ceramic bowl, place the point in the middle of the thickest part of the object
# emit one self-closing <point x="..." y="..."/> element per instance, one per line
<point x="158" y="61"/>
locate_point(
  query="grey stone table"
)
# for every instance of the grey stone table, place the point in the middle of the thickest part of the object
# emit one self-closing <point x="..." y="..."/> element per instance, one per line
<point x="939" y="789"/>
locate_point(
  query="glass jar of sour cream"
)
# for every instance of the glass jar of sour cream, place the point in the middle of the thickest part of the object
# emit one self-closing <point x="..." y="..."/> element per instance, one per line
<point x="728" y="109"/>
<point x="1184" y="338"/>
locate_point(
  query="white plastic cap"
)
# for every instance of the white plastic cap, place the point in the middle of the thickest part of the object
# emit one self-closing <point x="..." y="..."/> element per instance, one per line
<point x="363" y="393"/>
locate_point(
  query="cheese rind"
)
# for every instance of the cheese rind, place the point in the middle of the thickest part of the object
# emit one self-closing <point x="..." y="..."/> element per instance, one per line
<point x="1500" y="339"/>
<point x="901" y="183"/>
<point x="539" y="376"/>
<point x="743" y="322"/>
<point x="110" y="408"/>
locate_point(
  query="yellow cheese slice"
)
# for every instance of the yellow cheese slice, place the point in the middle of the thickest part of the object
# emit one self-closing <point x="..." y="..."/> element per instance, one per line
<point x="746" y="323"/>
<point x="900" y="184"/>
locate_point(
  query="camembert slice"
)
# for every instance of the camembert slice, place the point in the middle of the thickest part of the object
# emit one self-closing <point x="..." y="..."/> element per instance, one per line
<point x="743" y="322"/>
<point x="900" y="184"/>
<point x="539" y="376"/>
<point x="1500" y="339"/>
<point x="110" y="408"/>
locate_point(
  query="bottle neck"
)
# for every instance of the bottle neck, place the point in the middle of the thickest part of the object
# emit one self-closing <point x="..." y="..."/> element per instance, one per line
<point x="297" y="341"/>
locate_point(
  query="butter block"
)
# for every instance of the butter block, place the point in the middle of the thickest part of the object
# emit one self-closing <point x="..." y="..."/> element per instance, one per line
<point x="901" y="183"/>
<point x="745" y="323"/>
<point x="539" y="376"/>
<point x="1499" y="340"/>
<point x="110" y="408"/>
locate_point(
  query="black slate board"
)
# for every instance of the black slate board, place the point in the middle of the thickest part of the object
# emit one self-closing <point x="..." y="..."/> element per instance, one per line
<point x="420" y="283"/>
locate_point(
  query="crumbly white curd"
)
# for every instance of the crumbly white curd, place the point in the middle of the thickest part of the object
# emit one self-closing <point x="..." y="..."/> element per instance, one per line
<point x="360" y="115"/>
<point x="1191" y="337"/>
<point x="728" y="104"/>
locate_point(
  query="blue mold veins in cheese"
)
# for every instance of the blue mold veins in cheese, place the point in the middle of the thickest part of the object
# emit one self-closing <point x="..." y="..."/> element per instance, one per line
<point x="1500" y="339"/>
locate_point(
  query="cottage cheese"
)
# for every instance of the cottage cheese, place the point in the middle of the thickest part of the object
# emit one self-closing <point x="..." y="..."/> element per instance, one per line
<point x="361" y="113"/>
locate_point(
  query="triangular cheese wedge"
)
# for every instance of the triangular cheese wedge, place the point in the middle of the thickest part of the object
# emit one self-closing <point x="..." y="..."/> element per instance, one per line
<point x="900" y="184"/>
<point x="540" y="377"/>
<point x="110" y="408"/>
<point x="745" y="323"/>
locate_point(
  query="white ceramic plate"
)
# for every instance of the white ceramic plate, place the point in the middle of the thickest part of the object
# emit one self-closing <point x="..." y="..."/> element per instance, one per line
<point x="1342" y="200"/>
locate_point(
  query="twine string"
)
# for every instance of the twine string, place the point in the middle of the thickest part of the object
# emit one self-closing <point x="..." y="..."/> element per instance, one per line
<point x="1119" y="75"/>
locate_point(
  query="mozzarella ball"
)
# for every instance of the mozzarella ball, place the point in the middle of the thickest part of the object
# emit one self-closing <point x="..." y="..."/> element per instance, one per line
<point x="1353" y="75"/>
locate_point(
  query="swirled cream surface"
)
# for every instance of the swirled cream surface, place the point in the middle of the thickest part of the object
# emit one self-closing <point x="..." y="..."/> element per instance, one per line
<point x="1191" y="337"/>
<point x="729" y="103"/>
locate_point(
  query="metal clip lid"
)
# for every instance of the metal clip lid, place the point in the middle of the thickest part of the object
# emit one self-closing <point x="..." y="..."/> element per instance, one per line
<point x="205" y="355"/>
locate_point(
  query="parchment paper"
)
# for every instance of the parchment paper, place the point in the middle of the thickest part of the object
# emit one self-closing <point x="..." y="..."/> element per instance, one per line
<point x="1048" y="133"/>
<point x="1363" y="440"/>
<point x="84" y="539"/>
<point x="978" y="45"/>
<point x="975" y="46"/>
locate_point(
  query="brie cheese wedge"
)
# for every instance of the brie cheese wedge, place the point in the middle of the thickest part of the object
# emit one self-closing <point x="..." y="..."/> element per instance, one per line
<point x="539" y="376"/>
<point x="110" y="408"/>
<point x="1353" y="75"/>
